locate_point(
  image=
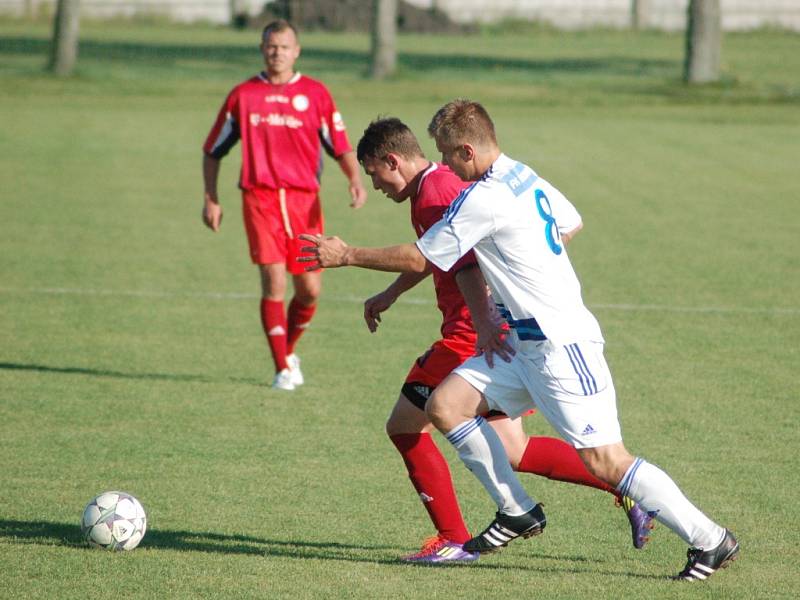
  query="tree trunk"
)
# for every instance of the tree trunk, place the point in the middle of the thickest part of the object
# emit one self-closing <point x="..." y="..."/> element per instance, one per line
<point x="384" y="38"/>
<point x="30" y="8"/>
<point x="703" y="41"/>
<point x="64" y="48"/>
<point x="295" y="12"/>
<point x="640" y="13"/>
<point x="238" y="14"/>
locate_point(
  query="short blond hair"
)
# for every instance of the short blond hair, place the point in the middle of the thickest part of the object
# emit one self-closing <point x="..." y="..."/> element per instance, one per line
<point x="462" y="121"/>
<point x="278" y="26"/>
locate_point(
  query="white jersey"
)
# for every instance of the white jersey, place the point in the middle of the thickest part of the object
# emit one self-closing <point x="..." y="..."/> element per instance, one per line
<point x="512" y="218"/>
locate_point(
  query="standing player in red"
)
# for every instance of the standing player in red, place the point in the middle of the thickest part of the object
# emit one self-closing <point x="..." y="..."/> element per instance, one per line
<point x="283" y="120"/>
<point x="391" y="156"/>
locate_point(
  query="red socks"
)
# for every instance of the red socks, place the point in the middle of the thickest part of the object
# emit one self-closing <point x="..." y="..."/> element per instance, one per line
<point x="299" y="318"/>
<point x="430" y="476"/>
<point x="273" y="321"/>
<point x="282" y="332"/>
<point x="556" y="459"/>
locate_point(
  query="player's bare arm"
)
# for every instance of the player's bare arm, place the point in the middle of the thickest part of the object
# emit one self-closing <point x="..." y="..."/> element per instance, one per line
<point x="485" y="319"/>
<point x="567" y="236"/>
<point x="349" y="166"/>
<point x="382" y="301"/>
<point x="212" y="211"/>
<point x="331" y="252"/>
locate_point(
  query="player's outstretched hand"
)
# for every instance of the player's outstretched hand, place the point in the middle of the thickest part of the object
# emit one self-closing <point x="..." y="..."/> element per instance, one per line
<point x="212" y="214"/>
<point x="325" y="252"/>
<point x="374" y="306"/>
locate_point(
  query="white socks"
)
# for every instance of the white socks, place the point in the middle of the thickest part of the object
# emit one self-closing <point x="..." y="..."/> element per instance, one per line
<point x="483" y="453"/>
<point x="656" y="493"/>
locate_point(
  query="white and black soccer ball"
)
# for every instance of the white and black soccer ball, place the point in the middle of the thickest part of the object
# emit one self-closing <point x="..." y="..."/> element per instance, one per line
<point x="114" y="521"/>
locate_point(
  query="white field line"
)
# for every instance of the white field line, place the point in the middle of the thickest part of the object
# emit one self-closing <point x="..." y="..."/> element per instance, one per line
<point x="700" y="309"/>
<point x="59" y="291"/>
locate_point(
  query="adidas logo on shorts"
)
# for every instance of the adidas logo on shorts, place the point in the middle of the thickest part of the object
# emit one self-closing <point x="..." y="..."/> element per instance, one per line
<point x="423" y="390"/>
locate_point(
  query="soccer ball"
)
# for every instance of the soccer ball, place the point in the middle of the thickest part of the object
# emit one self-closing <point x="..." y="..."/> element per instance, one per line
<point x="114" y="521"/>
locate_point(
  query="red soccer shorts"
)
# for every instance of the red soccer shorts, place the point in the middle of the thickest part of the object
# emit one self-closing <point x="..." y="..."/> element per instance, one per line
<point x="438" y="362"/>
<point x="274" y="219"/>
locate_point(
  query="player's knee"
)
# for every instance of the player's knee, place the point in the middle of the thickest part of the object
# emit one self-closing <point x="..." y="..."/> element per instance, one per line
<point x="437" y="409"/>
<point x="307" y="298"/>
<point x="307" y="292"/>
<point x="273" y="285"/>
<point x="393" y="426"/>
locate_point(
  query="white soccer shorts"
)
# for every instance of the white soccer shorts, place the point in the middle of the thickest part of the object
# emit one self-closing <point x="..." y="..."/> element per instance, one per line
<point x="571" y="386"/>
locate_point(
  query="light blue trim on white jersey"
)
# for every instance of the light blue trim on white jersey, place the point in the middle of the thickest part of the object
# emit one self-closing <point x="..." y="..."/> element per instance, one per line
<point x="517" y="186"/>
<point x="509" y="234"/>
<point x="452" y="210"/>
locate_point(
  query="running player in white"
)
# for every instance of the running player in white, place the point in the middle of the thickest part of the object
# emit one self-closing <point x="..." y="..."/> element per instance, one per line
<point x="553" y="358"/>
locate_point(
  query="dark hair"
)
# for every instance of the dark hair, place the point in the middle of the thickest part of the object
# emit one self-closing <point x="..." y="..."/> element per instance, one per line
<point x="278" y="26"/>
<point x="385" y="135"/>
<point x="462" y="121"/>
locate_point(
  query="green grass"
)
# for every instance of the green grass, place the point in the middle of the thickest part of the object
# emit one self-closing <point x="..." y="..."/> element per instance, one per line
<point x="131" y="355"/>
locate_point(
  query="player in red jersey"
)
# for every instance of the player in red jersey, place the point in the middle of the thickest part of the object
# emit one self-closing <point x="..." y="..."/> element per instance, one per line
<point x="283" y="120"/>
<point x="391" y="156"/>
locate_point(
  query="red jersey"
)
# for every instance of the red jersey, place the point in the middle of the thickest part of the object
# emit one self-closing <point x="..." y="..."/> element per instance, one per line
<point x="438" y="187"/>
<point x="282" y="128"/>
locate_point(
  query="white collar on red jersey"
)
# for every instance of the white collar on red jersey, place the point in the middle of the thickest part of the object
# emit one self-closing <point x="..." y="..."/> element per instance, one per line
<point x="433" y="166"/>
<point x="295" y="78"/>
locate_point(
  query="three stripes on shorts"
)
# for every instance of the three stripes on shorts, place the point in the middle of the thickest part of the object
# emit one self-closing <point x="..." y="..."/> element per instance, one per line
<point x="585" y="376"/>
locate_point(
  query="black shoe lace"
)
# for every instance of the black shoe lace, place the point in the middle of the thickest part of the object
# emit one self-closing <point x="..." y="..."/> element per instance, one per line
<point x="692" y="554"/>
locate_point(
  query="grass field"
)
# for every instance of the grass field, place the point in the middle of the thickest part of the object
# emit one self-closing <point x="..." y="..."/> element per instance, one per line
<point x="131" y="355"/>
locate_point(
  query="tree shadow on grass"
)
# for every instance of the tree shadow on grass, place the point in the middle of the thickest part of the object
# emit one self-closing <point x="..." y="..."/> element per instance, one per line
<point x="343" y="60"/>
<point x="8" y="366"/>
<point x="67" y="535"/>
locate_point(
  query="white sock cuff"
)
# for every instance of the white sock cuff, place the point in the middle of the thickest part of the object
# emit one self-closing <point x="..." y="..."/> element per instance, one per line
<point x="460" y="432"/>
<point x="624" y="484"/>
